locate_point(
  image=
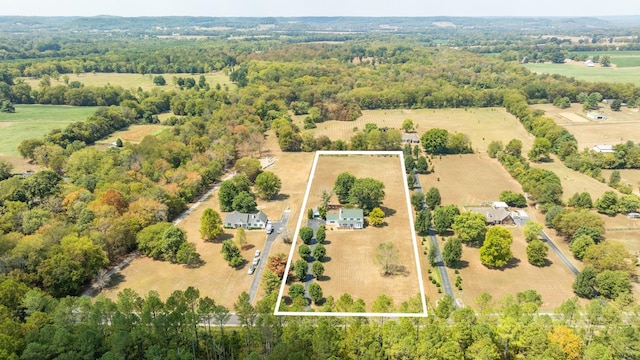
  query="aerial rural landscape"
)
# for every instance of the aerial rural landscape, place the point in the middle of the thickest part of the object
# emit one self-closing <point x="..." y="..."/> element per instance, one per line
<point x="319" y="187"/>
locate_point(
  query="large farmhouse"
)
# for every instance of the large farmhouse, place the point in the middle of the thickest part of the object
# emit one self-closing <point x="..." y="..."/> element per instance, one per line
<point x="347" y="219"/>
<point x="497" y="214"/>
<point x="248" y="221"/>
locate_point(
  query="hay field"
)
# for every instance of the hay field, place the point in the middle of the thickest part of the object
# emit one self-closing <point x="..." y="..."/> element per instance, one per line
<point x="619" y="126"/>
<point x="482" y="125"/>
<point x="215" y="278"/>
<point x="593" y="74"/>
<point x="469" y="179"/>
<point x="350" y="253"/>
<point x="132" y="81"/>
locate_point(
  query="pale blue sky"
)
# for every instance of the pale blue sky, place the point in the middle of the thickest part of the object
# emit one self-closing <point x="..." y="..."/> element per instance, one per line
<point x="320" y="8"/>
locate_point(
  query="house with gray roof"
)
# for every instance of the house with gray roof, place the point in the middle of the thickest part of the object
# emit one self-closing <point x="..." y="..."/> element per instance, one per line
<point x="236" y="220"/>
<point x="346" y="219"/>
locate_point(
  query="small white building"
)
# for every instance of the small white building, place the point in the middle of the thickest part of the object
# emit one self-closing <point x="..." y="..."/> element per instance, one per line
<point x="602" y="148"/>
<point x="596" y="116"/>
<point x="589" y="63"/>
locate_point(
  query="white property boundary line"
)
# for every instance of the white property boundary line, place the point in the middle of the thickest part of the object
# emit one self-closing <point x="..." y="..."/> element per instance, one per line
<point x="400" y="155"/>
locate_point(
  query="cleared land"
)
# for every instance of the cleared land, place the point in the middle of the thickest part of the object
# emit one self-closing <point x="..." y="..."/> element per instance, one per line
<point x="619" y="126"/>
<point x="133" y="81"/>
<point x="474" y="179"/>
<point x="482" y="125"/>
<point x="215" y="278"/>
<point x="627" y="176"/>
<point x="593" y="74"/>
<point x="350" y="267"/>
<point x="134" y="134"/>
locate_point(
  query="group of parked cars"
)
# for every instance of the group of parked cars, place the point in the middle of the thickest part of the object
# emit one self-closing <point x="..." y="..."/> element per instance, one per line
<point x="256" y="260"/>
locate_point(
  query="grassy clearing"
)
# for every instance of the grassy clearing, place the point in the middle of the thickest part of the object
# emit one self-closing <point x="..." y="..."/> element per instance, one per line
<point x="35" y="121"/>
<point x="133" y="81"/>
<point x="592" y="74"/>
<point x="482" y="125"/>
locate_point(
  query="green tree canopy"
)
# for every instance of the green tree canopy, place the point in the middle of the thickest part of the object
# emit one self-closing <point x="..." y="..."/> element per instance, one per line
<point x="434" y="141"/>
<point x="432" y="198"/>
<point x="376" y="217"/>
<point x="452" y="252"/>
<point x="537" y="252"/>
<point x="268" y="185"/>
<point x="496" y="251"/>
<point x="444" y="217"/>
<point x="470" y="227"/>
<point x="250" y="167"/>
<point x="367" y="193"/>
<point x="244" y="203"/>
<point x="210" y="225"/>
<point x="342" y="186"/>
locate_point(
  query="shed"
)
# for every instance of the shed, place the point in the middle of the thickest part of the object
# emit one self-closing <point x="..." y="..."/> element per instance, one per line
<point x="603" y="148"/>
<point x="410" y="138"/>
<point x="596" y="116"/>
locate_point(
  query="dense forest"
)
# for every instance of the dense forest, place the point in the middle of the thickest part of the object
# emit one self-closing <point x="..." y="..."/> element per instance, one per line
<point x="86" y="208"/>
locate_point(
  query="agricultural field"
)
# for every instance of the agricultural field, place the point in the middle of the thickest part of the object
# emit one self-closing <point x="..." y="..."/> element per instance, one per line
<point x="35" y="121"/>
<point x="132" y="81"/>
<point x="580" y="71"/>
<point x="618" y="127"/>
<point x="133" y="134"/>
<point x="215" y="278"/>
<point x="482" y="125"/>
<point x="350" y="267"/>
<point x="471" y="180"/>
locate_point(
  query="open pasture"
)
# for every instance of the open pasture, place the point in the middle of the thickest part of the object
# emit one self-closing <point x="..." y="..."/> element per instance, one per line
<point x="350" y="266"/>
<point x="35" y="121"/>
<point x="132" y="81"/>
<point x="469" y="179"/>
<point x="215" y="278"/>
<point x="134" y="133"/>
<point x="580" y="71"/>
<point x="482" y="125"/>
<point x="618" y="127"/>
<point x="627" y="176"/>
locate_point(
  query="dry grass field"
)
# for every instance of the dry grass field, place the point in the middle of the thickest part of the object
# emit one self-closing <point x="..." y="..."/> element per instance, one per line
<point x="351" y="268"/>
<point x="619" y="126"/>
<point x="552" y="282"/>
<point x="482" y="125"/>
<point x="215" y="278"/>
<point x="469" y="179"/>
<point x="627" y="176"/>
<point x="134" y="133"/>
<point x="132" y="81"/>
<point x="474" y="179"/>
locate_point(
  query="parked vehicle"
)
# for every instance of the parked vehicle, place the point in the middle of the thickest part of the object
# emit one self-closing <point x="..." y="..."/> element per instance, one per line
<point x="251" y="270"/>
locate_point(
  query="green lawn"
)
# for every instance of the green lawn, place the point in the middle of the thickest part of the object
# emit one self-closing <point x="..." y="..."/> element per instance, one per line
<point x="34" y="121"/>
<point x="594" y="74"/>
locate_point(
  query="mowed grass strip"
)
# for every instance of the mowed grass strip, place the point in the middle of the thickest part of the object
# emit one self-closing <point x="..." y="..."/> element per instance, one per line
<point x="133" y="81"/>
<point x="35" y="121"/>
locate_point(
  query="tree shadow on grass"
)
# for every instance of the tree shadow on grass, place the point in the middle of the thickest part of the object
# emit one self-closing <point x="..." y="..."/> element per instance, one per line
<point x="388" y="212"/>
<point x="221" y="238"/>
<point x="512" y="264"/>
<point x="280" y="197"/>
<point x="325" y="259"/>
<point x="462" y="264"/>
<point x="248" y="247"/>
<point x="324" y="278"/>
<point x="115" y="280"/>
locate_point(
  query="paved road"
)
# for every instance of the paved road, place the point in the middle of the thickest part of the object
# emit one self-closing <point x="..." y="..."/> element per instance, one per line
<point x="264" y="254"/>
<point x="444" y="275"/>
<point x="564" y="259"/>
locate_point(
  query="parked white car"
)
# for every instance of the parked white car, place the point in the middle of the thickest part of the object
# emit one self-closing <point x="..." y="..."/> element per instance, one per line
<point x="251" y="270"/>
<point x="257" y="253"/>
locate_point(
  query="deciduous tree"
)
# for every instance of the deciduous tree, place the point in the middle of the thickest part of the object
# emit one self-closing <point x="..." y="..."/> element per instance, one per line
<point x="250" y="167"/>
<point x="376" y="217"/>
<point x="609" y="255"/>
<point x="342" y="186"/>
<point x="432" y="198"/>
<point x="268" y="185"/>
<point x="434" y="141"/>
<point x="296" y="290"/>
<point x="317" y="269"/>
<point x="244" y="203"/>
<point x="240" y="238"/>
<point x="496" y="251"/>
<point x="585" y="283"/>
<point x="319" y="252"/>
<point x="210" y="225"/>
<point x="580" y="244"/>
<point x="423" y="221"/>
<point x="452" y="252"/>
<point x="537" y="252"/>
<point x="304" y="251"/>
<point x="444" y="217"/>
<point x="612" y="284"/>
<point x="532" y="230"/>
<point x="387" y="257"/>
<point x="315" y="293"/>
<point x="306" y="234"/>
<point x="300" y="268"/>
<point x="421" y="165"/>
<point x="367" y="193"/>
<point x="470" y="227"/>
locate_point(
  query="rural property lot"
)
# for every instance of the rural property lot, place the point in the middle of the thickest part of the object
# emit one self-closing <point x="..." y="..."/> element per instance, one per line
<point x="482" y="125"/>
<point x="215" y="278"/>
<point x="473" y="179"/>
<point x="619" y="126"/>
<point x="350" y="267"/>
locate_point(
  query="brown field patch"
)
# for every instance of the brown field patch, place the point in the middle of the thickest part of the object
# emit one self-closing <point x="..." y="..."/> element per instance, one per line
<point x="627" y="176"/>
<point x="134" y="133"/>
<point x="215" y="278"/>
<point x="482" y="125"/>
<point x="619" y="127"/>
<point x="469" y="179"/>
<point x="351" y="268"/>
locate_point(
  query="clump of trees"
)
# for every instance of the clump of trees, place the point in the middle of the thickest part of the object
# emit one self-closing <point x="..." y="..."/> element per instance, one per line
<point x="439" y="142"/>
<point x="496" y="250"/>
<point x="366" y="193"/>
